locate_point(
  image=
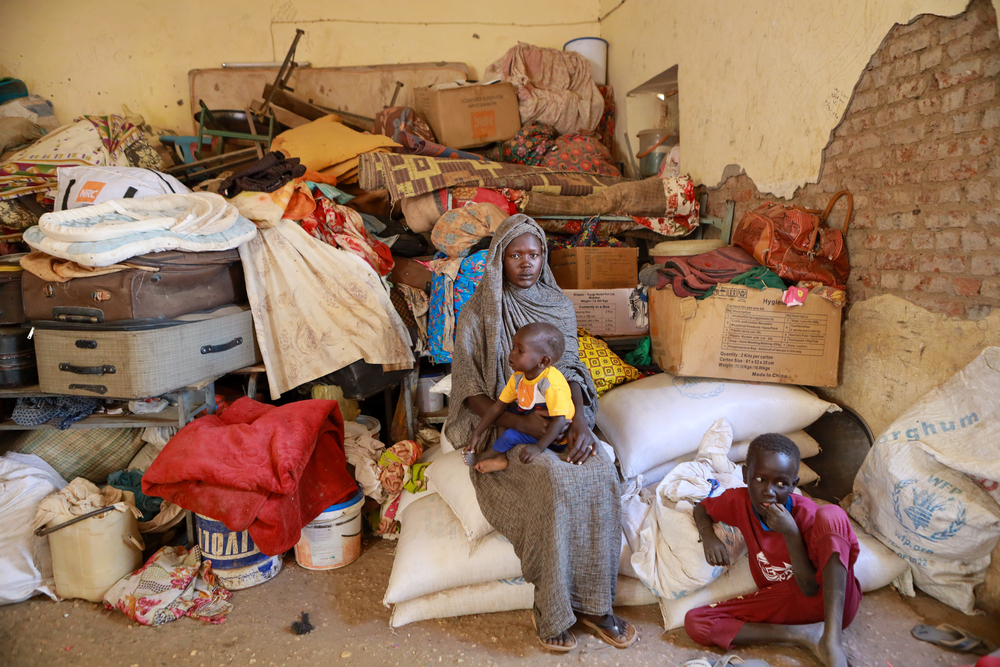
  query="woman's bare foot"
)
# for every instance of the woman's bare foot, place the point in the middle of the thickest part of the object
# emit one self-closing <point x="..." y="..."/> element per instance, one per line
<point x="563" y="640"/>
<point x="492" y="464"/>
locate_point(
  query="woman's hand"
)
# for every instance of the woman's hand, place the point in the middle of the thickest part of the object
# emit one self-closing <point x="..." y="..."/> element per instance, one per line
<point x="581" y="440"/>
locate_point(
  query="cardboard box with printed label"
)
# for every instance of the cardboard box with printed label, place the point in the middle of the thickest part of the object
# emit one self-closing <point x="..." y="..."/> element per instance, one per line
<point x="469" y="116"/>
<point x="595" y="268"/>
<point x="604" y="312"/>
<point x="740" y="333"/>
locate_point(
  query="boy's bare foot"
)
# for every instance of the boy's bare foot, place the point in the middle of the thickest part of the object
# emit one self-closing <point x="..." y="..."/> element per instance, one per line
<point x="492" y="464"/>
<point x="831" y="651"/>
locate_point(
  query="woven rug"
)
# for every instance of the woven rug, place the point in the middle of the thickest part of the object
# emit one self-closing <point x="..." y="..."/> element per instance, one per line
<point x="411" y="175"/>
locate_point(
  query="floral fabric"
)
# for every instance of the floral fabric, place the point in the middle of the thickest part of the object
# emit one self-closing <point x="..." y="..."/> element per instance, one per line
<point x="343" y="228"/>
<point x="462" y="228"/>
<point x="399" y="471"/>
<point x="587" y="237"/>
<point x="606" y="127"/>
<point x="173" y="583"/>
<point x="539" y="145"/>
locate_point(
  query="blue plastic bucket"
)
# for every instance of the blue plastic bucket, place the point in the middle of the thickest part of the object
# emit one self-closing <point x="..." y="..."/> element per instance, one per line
<point x="333" y="539"/>
<point x="235" y="558"/>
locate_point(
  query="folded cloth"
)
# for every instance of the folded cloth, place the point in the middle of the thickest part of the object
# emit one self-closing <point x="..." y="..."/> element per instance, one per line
<point x="326" y="142"/>
<point x="393" y="121"/>
<point x="538" y="144"/>
<point x="460" y="229"/>
<point x="696" y="275"/>
<point x="131" y="480"/>
<point x="652" y="197"/>
<point x="265" y="175"/>
<point x="759" y="277"/>
<point x="173" y="583"/>
<point x="263" y="468"/>
<point x="81" y="496"/>
<point x="363" y="452"/>
<point x="38" y="410"/>
<point x="54" y="270"/>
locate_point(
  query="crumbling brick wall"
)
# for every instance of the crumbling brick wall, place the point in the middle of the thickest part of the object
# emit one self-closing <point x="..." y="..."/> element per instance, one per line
<point x="919" y="148"/>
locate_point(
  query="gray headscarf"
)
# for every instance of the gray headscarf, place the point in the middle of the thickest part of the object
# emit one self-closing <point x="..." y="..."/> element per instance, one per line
<point x="486" y="328"/>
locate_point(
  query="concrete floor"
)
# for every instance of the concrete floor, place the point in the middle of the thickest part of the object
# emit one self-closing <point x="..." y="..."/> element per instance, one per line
<point x="352" y="629"/>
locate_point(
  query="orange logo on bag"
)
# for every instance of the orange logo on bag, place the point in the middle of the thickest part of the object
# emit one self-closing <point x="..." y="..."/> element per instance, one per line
<point x="88" y="193"/>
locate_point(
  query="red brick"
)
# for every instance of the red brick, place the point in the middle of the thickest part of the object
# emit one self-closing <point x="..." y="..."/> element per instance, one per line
<point x="967" y="122"/>
<point x="990" y="288"/>
<point x="954" y="171"/>
<point x="926" y="196"/>
<point x="863" y="143"/>
<point x="929" y="105"/>
<point x="743" y="195"/>
<point x="880" y="200"/>
<point x="908" y="135"/>
<point x="960" y="47"/>
<point x="935" y="285"/>
<point x="909" y="89"/>
<point x="922" y="240"/>
<point x="973" y="240"/>
<point x="835" y="148"/>
<point x="942" y="264"/>
<point x="953" y="99"/>
<point x="981" y="92"/>
<point x="985" y="266"/>
<point x="930" y="58"/>
<point x="862" y="123"/>
<point x="896" y="221"/>
<point x="908" y="44"/>
<point x="904" y="197"/>
<point x="892" y="280"/>
<point x="948" y="220"/>
<point x="925" y="151"/>
<point x="894" y="261"/>
<point x="938" y="304"/>
<point x="965" y="286"/>
<point x="988" y="218"/>
<point x="899" y="241"/>
<point x="991" y="118"/>
<point x="985" y="40"/>
<point x="958" y="27"/>
<point x="977" y="192"/>
<point x="947" y="240"/>
<point x="869" y="278"/>
<point x="991" y="66"/>
<point x="960" y="73"/>
<point x="950" y="194"/>
<point x="903" y="112"/>
<point x="874" y="241"/>
<point x="904" y="154"/>
<point x="865" y="101"/>
<point x="951" y="148"/>
<point x="862" y="220"/>
<point x="980" y="144"/>
<point x="862" y="260"/>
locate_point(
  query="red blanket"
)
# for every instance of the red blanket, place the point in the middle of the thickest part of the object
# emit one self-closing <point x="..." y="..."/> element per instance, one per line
<point x="269" y="469"/>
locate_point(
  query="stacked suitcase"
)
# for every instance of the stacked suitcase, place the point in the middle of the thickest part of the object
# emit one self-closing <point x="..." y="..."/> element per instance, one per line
<point x="17" y="354"/>
<point x="139" y="333"/>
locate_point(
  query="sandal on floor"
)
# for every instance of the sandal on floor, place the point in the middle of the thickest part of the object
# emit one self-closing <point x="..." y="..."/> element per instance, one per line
<point x="954" y="639"/>
<point x="552" y="647"/>
<point x="630" y="637"/>
<point x="726" y="661"/>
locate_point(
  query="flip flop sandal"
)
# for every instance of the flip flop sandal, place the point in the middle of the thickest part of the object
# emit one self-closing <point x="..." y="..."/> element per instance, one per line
<point x="952" y="638"/>
<point x="552" y="647"/>
<point x="608" y="638"/>
<point x="732" y="659"/>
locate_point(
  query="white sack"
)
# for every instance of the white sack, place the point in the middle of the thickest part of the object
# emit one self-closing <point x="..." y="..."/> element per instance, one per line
<point x="808" y="447"/>
<point x="656" y="419"/>
<point x="25" y="560"/>
<point x="449" y="477"/>
<point x="504" y="595"/>
<point x="86" y="186"/>
<point x="875" y="568"/>
<point x="433" y="554"/>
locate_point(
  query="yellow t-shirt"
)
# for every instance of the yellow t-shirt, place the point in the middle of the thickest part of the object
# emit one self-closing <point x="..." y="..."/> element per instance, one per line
<point x="549" y="389"/>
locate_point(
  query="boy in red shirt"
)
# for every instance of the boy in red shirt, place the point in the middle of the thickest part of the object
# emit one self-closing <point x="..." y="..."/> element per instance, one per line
<point x="802" y="558"/>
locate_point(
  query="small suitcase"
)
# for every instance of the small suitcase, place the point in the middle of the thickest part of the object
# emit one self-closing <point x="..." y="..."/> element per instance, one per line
<point x="11" y="302"/>
<point x="142" y="359"/>
<point x="185" y="282"/>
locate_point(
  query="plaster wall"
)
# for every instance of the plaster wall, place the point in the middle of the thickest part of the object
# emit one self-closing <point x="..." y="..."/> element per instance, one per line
<point x="761" y="84"/>
<point x="92" y="56"/>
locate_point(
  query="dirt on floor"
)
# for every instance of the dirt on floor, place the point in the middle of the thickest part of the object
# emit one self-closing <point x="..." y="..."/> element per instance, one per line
<point x="352" y="628"/>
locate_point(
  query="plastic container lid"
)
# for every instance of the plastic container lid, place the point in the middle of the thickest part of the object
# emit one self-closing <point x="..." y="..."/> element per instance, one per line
<point x="347" y="503"/>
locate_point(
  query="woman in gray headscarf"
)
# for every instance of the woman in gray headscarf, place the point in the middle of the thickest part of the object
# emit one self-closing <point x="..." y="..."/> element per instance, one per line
<point x="562" y="518"/>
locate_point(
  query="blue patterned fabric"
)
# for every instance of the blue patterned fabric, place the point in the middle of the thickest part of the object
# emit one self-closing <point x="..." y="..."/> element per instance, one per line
<point x="35" y="411"/>
<point x="469" y="275"/>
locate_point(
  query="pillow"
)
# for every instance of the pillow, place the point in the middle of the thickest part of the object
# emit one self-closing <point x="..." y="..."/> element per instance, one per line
<point x="606" y="368"/>
<point x="449" y="477"/>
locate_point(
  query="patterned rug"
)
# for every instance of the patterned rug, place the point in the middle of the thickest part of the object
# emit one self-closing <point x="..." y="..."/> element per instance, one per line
<point x="411" y="175"/>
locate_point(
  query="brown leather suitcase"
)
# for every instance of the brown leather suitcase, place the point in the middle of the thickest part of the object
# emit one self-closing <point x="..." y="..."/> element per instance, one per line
<point x="11" y="302"/>
<point x="410" y="272"/>
<point x="185" y="282"/>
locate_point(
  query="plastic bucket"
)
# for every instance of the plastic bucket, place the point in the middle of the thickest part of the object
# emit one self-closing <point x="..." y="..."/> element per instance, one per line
<point x="595" y="50"/>
<point x="90" y="556"/>
<point x="373" y="425"/>
<point x="236" y="560"/>
<point x="333" y="539"/>
<point x="428" y="401"/>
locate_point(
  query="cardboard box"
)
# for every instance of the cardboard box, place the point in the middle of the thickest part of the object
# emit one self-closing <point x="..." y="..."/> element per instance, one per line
<point x="740" y="333"/>
<point x="595" y="268"/>
<point x="470" y="116"/>
<point x="604" y="312"/>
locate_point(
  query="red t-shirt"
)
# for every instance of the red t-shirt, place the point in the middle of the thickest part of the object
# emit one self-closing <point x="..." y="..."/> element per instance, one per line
<point x="769" y="559"/>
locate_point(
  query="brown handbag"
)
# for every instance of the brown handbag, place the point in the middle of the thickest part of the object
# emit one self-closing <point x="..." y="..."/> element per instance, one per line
<point x="795" y="242"/>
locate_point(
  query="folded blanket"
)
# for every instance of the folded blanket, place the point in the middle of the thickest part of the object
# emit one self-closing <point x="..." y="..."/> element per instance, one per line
<point x="265" y="175"/>
<point x="266" y="469"/>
